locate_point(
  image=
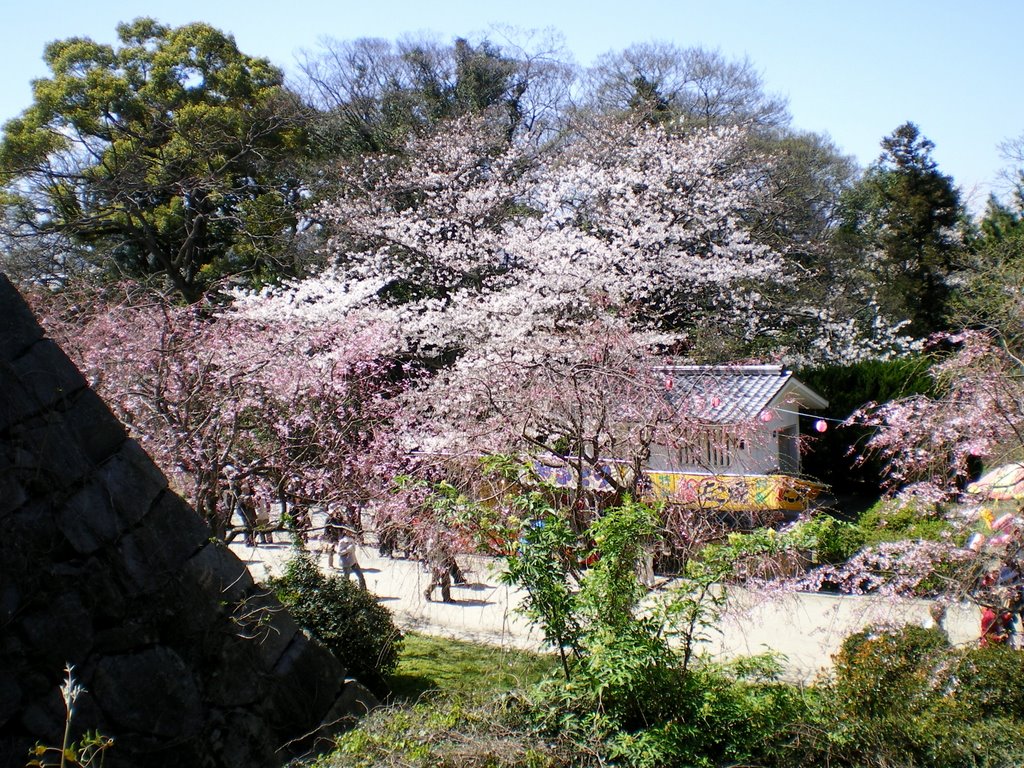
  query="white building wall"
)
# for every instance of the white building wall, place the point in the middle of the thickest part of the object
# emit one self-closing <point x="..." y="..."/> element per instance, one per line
<point x="759" y="454"/>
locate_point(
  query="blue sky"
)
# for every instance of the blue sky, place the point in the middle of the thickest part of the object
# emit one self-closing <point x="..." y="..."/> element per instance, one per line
<point x="855" y="70"/>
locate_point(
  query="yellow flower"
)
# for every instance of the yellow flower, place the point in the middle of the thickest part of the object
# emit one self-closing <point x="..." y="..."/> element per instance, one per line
<point x="986" y="514"/>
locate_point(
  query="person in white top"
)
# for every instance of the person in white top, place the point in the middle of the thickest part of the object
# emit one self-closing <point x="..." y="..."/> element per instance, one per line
<point x="345" y="552"/>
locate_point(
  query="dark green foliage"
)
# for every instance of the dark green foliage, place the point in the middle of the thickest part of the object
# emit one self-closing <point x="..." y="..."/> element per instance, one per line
<point x="990" y="294"/>
<point x="886" y="675"/>
<point x="905" y="218"/>
<point x="834" y="541"/>
<point x="545" y="566"/>
<point x="1001" y="222"/>
<point x="701" y="718"/>
<point x="905" y="697"/>
<point x="832" y="457"/>
<point x="987" y="681"/>
<point x="168" y="156"/>
<point x="346" y="619"/>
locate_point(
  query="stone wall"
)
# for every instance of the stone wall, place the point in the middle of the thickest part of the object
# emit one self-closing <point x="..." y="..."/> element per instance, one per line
<point x="185" y="660"/>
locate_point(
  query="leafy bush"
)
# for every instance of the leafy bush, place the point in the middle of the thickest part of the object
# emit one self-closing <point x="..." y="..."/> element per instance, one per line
<point x="346" y="619"/>
<point x="898" y="520"/>
<point x="883" y="673"/>
<point x="833" y="541"/>
<point x="629" y="694"/>
<point x="987" y="681"/>
<point x="904" y="696"/>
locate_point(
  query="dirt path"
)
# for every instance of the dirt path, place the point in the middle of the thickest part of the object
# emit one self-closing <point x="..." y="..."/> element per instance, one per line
<point x="806" y="628"/>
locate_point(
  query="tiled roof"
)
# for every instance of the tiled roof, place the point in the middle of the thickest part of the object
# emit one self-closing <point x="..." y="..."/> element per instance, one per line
<point x="733" y="393"/>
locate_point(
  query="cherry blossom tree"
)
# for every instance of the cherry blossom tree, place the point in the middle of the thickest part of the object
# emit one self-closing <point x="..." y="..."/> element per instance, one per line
<point x="219" y="401"/>
<point x="575" y="417"/>
<point x="467" y="241"/>
<point x="933" y="445"/>
<point x="537" y="291"/>
<point x="977" y="415"/>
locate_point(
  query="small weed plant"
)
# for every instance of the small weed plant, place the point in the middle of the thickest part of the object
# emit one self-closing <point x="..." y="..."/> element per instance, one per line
<point x="86" y="752"/>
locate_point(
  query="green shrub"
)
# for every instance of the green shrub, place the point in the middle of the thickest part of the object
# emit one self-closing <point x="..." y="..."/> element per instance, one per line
<point x="882" y="672"/>
<point x="987" y="681"/>
<point x="346" y="619"/>
<point x="630" y="696"/>
<point x="895" y="520"/>
<point x="833" y="541"/>
<point x="905" y="696"/>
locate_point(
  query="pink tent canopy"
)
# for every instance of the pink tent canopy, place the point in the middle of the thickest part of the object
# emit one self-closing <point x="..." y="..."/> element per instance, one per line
<point x="1005" y="482"/>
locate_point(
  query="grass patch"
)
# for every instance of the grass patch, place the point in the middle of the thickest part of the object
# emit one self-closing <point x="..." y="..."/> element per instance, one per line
<point x="431" y="664"/>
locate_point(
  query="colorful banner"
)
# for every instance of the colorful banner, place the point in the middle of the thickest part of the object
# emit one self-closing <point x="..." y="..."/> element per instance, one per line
<point x="727" y="493"/>
<point x="591" y="479"/>
<point x="733" y="493"/>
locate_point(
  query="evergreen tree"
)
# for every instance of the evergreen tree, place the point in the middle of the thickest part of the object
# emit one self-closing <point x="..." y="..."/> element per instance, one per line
<point x="165" y="156"/>
<point x="906" y="219"/>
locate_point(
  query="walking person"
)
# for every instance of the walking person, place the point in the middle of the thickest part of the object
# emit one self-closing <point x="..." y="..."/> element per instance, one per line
<point x="245" y="504"/>
<point x="329" y="537"/>
<point x="263" y="526"/>
<point x="439" y="559"/>
<point x="348" y="563"/>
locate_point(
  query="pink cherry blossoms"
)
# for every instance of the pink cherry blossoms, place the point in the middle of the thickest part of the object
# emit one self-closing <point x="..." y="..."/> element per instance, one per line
<point x="976" y="414"/>
<point x="215" y="401"/>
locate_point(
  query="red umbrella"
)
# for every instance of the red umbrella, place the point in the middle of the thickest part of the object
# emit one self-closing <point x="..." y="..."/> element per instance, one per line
<point x="1005" y="482"/>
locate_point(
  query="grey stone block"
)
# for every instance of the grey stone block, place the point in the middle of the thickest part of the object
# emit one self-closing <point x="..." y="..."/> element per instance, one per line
<point x="30" y="543"/>
<point x="48" y="375"/>
<point x="16" y="404"/>
<point x="220" y="574"/>
<point x="240" y="739"/>
<point x="133" y="481"/>
<point x="88" y="519"/>
<point x="18" y="328"/>
<point x="271" y="629"/>
<point x="94" y="429"/>
<point x="150" y="693"/>
<point x="155" y="551"/>
<point x="59" y="630"/>
<point x="10" y="695"/>
<point x="355" y="702"/>
<point x="308" y="680"/>
<point x="12" y="493"/>
<point x="47" y="458"/>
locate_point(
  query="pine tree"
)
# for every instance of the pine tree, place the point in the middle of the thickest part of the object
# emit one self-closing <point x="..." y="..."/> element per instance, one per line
<point x="908" y="220"/>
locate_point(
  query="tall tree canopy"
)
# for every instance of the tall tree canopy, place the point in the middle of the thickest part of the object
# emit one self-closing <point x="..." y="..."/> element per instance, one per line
<point x="371" y="93"/>
<point x="660" y="81"/>
<point x="905" y="217"/>
<point x="163" y="156"/>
